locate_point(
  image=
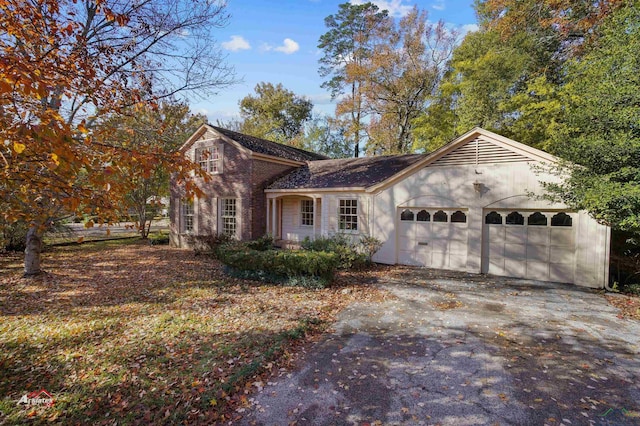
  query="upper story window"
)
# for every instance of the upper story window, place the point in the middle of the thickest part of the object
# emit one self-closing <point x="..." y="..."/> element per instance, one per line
<point x="306" y="212"/>
<point x="348" y="215"/>
<point x="209" y="158"/>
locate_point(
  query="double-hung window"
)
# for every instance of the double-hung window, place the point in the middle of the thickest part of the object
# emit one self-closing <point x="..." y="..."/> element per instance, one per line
<point x="228" y="216"/>
<point x="187" y="216"/>
<point x="306" y="212"/>
<point x="348" y="215"/>
<point x="209" y="159"/>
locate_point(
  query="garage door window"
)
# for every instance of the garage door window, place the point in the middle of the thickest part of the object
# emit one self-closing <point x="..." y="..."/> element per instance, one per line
<point x="537" y="219"/>
<point x="561" y="219"/>
<point x="440" y="216"/>
<point x="515" y="218"/>
<point x="406" y="215"/>
<point x="459" y="217"/>
<point x="423" y="216"/>
<point x="493" y="218"/>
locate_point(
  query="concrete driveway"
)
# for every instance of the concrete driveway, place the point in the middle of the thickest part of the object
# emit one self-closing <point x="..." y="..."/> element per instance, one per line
<point x="458" y="349"/>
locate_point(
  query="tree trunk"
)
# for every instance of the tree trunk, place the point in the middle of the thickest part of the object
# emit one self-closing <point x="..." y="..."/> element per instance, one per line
<point x="33" y="250"/>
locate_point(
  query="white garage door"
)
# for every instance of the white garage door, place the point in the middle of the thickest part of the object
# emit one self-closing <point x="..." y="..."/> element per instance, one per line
<point x="529" y="244"/>
<point x="434" y="238"/>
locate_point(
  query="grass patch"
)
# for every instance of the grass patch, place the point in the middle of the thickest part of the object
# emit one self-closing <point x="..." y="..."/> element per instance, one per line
<point x="129" y="333"/>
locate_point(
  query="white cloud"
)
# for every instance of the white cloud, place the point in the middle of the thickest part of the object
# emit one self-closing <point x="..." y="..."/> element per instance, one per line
<point x="236" y="43"/>
<point x="288" y="46"/>
<point x="395" y="7"/>
<point x="468" y="28"/>
<point x="438" y="5"/>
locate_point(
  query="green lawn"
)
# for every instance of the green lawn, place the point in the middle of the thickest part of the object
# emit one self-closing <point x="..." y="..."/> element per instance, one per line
<point x="136" y="334"/>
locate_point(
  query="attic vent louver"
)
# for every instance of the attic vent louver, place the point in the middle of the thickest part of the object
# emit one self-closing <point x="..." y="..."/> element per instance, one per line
<point x="479" y="151"/>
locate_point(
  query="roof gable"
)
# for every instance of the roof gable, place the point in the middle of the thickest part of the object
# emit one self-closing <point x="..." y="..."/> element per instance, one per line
<point x="480" y="146"/>
<point x="255" y="145"/>
<point x="477" y="146"/>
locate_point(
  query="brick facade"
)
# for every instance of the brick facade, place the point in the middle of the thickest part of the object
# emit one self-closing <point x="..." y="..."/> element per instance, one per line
<point x="243" y="178"/>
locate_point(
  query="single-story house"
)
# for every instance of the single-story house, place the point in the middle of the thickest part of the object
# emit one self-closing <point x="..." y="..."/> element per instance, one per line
<point x="469" y="206"/>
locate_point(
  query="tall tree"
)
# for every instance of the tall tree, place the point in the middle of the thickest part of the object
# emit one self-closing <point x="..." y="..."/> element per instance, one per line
<point x="142" y="127"/>
<point x="66" y="63"/>
<point x="275" y="113"/>
<point x="404" y="72"/>
<point x="325" y="135"/>
<point x="599" y="134"/>
<point x="346" y="45"/>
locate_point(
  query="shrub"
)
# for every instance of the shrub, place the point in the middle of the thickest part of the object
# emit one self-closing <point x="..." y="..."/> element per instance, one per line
<point x="13" y="236"/>
<point x="261" y="244"/>
<point x="209" y="242"/>
<point x="158" y="239"/>
<point x="370" y="246"/>
<point x="279" y="263"/>
<point x="341" y="245"/>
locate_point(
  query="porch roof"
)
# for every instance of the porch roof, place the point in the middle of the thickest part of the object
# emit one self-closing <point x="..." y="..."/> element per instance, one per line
<point x="345" y="172"/>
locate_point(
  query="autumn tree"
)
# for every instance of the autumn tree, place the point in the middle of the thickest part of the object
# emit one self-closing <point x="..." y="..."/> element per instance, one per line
<point x="599" y="134"/>
<point x="274" y="113"/>
<point x="404" y="71"/>
<point x="66" y="63"/>
<point x="346" y="45"/>
<point x="325" y="135"/>
<point x="163" y="128"/>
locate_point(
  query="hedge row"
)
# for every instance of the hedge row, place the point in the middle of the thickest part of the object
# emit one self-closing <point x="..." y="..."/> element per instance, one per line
<point x="283" y="263"/>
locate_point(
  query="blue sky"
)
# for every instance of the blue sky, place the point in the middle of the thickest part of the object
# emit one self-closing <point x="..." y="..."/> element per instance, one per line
<point x="276" y="42"/>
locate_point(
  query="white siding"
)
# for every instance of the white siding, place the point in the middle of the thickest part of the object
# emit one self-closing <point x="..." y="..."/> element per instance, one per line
<point x="292" y="229"/>
<point x="502" y="185"/>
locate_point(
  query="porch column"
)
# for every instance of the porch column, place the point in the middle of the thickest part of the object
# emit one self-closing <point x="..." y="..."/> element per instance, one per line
<point x="315" y="213"/>
<point x="274" y="214"/>
<point x="268" y="215"/>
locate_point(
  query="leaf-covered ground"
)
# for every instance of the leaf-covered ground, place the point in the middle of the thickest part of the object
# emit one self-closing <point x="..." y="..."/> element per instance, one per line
<point x="128" y="333"/>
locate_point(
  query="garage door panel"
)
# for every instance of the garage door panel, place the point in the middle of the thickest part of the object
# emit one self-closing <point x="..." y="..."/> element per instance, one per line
<point x="537" y="270"/>
<point x="439" y="260"/>
<point x="458" y="247"/>
<point x="538" y="253"/>
<point x="514" y="268"/>
<point x="440" y="245"/>
<point x="537" y="235"/>
<point x="563" y="237"/>
<point x="515" y="251"/>
<point x="496" y="232"/>
<point x="515" y="234"/>
<point x="457" y="261"/>
<point x="407" y="257"/>
<point x="440" y="230"/>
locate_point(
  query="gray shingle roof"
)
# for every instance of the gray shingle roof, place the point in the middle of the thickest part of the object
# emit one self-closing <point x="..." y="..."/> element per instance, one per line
<point x="345" y="172"/>
<point x="267" y="147"/>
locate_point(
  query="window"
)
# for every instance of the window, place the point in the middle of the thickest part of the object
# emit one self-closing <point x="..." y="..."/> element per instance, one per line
<point x="406" y="215"/>
<point x="561" y="219"/>
<point x="493" y="218"/>
<point x="440" y="216"/>
<point x="348" y="215"/>
<point x="423" y="216"/>
<point x="515" y="218"/>
<point x="459" y="217"/>
<point x="306" y="212"/>
<point x="537" y="219"/>
<point x="228" y="216"/>
<point x="209" y="159"/>
<point x="187" y="216"/>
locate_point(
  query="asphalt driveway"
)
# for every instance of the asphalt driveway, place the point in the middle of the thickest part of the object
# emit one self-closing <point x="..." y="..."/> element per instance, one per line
<point x="458" y="349"/>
